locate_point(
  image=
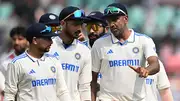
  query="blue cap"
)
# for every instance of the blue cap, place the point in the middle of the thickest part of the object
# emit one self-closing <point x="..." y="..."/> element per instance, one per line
<point x="49" y="19"/>
<point x="39" y="30"/>
<point x="68" y="14"/>
<point x="96" y="16"/>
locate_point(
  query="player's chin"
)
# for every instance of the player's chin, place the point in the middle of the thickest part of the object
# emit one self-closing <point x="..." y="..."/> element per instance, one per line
<point x="47" y="49"/>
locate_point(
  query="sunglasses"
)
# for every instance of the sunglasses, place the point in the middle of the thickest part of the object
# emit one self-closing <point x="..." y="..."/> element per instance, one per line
<point x="113" y="10"/>
<point x="47" y="30"/>
<point x="56" y="28"/>
<point x="94" y="26"/>
<point x="76" y="14"/>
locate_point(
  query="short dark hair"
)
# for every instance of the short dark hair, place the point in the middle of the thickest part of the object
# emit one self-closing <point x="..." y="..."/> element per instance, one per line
<point x="19" y="30"/>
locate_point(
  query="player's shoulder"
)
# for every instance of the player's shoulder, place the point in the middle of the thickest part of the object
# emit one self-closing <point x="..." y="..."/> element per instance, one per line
<point x="7" y="56"/>
<point x="103" y="40"/>
<point x="105" y="36"/>
<point x="83" y="45"/>
<point x="49" y="55"/>
<point x="143" y="38"/>
<point x="19" y="58"/>
<point x="141" y="35"/>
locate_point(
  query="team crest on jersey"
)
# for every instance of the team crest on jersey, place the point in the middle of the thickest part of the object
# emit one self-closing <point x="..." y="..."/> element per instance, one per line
<point x="135" y="50"/>
<point x="77" y="56"/>
<point x="53" y="69"/>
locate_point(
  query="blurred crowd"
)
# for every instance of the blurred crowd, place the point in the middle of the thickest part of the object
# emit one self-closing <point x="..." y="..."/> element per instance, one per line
<point x="159" y="19"/>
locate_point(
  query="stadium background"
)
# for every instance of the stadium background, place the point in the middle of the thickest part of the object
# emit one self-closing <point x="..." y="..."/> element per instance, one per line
<point x="159" y="19"/>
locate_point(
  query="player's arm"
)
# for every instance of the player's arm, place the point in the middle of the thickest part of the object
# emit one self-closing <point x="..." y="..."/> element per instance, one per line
<point x="96" y="65"/>
<point x="11" y="81"/>
<point x="150" y="54"/>
<point x="166" y="94"/>
<point x="163" y="84"/>
<point x="153" y="66"/>
<point x="61" y="87"/>
<point x="85" y="78"/>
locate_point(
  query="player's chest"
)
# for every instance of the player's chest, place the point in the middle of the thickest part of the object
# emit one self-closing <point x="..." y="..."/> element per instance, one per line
<point x="72" y="55"/>
<point x="40" y="70"/>
<point x="71" y="60"/>
<point x="128" y="51"/>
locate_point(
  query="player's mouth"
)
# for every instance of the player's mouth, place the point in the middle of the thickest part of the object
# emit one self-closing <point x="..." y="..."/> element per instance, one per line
<point x="17" y="47"/>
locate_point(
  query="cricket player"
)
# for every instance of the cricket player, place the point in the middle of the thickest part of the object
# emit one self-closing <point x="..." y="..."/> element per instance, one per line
<point x="19" y="43"/>
<point x="158" y="83"/>
<point x="34" y="75"/>
<point x="74" y="55"/>
<point x="120" y="57"/>
<point x="96" y="27"/>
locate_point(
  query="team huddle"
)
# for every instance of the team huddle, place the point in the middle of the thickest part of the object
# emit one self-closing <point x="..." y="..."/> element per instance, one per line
<point x="53" y="61"/>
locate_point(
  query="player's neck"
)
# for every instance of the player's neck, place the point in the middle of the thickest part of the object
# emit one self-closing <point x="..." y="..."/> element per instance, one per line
<point x="35" y="53"/>
<point x="124" y="36"/>
<point x="65" y="38"/>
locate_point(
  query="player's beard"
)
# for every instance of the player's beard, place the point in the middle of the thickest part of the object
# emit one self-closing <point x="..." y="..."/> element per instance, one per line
<point x="47" y="48"/>
<point x="20" y="51"/>
<point x="93" y="37"/>
<point x="72" y="35"/>
<point x="118" y="32"/>
<point x="44" y="49"/>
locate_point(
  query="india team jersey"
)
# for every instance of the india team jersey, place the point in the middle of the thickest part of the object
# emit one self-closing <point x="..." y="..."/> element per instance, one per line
<point x="111" y="58"/>
<point x="34" y="79"/>
<point x="156" y="83"/>
<point x="5" y="60"/>
<point x="76" y="65"/>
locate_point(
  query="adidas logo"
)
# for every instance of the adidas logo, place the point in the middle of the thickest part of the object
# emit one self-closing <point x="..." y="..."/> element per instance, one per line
<point x="56" y="54"/>
<point x="110" y="51"/>
<point x="32" y="71"/>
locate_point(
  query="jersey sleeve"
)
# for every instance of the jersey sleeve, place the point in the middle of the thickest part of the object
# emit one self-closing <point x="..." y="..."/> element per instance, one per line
<point x="85" y="78"/>
<point x="149" y="47"/>
<point x="162" y="79"/>
<point x="61" y="87"/>
<point x="96" y="58"/>
<point x="11" y="81"/>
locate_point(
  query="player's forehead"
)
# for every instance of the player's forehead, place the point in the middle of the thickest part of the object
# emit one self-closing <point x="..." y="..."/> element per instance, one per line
<point x="17" y="36"/>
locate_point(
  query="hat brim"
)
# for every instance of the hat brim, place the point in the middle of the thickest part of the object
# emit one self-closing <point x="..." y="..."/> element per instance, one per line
<point x="110" y="15"/>
<point x="50" y="35"/>
<point x="80" y="18"/>
<point x="53" y="23"/>
<point x="91" y="18"/>
<point x="95" y="18"/>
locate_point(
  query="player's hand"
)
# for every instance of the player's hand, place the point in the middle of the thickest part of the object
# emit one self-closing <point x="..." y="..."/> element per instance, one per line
<point x="81" y="37"/>
<point x="143" y="72"/>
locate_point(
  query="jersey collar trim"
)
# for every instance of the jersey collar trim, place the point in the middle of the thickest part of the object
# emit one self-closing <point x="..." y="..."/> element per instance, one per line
<point x="75" y="41"/>
<point x="34" y="59"/>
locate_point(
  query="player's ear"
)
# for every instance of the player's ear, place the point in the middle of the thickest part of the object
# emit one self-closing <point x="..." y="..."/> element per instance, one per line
<point x="106" y="29"/>
<point x="126" y="19"/>
<point x="34" y="40"/>
<point x="62" y="22"/>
